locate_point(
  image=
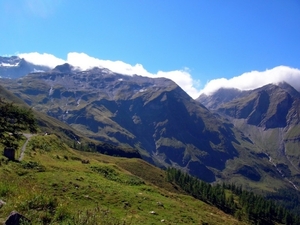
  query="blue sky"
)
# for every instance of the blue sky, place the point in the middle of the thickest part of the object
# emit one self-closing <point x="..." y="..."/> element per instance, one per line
<point x="206" y="39"/>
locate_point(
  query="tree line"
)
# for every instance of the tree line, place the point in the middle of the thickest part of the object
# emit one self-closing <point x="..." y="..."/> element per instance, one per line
<point x="233" y="200"/>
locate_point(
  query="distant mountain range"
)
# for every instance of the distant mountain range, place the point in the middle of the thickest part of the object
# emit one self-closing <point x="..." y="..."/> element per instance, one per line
<point x="15" y="67"/>
<point x="249" y="138"/>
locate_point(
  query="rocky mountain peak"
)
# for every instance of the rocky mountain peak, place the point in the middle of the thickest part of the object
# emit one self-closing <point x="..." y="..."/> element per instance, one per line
<point x="269" y="106"/>
<point x="290" y="89"/>
<point x="15" y="67"/>
<point x="218" y="97"/>
<point x="64" y="68"/>
<point x="9" y="61"/>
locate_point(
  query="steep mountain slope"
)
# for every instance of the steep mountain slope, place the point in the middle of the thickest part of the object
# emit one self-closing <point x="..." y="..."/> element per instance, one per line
<point x="15" y="67"/>
<point x="75" y="138"/>
<point x="269" y="116"/>
<point x="154" y="116"/>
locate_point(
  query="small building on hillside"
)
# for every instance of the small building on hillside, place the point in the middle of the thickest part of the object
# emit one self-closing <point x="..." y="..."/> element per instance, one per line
<point x="9" y="153"/>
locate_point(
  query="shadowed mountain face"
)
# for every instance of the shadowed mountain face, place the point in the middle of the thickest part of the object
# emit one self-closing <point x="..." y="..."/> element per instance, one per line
<point x="15" y="67"/>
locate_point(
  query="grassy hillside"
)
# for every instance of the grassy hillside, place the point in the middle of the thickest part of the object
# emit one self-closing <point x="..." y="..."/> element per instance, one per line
<point x="55" y="184"/>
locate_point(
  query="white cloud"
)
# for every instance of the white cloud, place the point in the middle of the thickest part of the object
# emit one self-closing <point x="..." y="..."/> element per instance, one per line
<point x="42" y="59"/>
<point x="183" y="78"/>
<point x="256" y="79"/>
<point x="85" y="62"/>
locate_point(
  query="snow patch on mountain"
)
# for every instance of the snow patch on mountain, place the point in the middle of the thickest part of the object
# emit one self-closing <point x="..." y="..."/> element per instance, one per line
<point x="9" y="65"/>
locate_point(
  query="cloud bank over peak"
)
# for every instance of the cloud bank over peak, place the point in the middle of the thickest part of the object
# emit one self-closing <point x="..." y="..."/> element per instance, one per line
<point x="83" y="61"/>
<point x="44" y="59"/>
<point x="256" y="79"/>
<point x="183" y="77"/>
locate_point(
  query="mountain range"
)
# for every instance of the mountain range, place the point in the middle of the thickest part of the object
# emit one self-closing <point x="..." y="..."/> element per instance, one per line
<point x="250" y="138"/>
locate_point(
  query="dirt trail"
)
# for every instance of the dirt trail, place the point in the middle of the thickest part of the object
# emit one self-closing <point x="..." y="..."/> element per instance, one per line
<point x="28" y="136"/>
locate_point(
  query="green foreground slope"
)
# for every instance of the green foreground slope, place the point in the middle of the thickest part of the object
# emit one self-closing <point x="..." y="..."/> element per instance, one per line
<point x="55" y="184"/>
